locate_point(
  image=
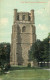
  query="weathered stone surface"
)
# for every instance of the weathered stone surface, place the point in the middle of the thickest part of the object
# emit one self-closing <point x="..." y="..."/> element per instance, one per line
<point x="23" y="35"/>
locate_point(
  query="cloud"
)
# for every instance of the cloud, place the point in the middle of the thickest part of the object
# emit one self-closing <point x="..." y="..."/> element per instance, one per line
<point x="3" y="21"/>
<point x="11" y="13"/>
<point x="42" y="27"/>
<point x="40" y="11"/>
<point x="5" y="33"/>
<point x="44" y="11"/>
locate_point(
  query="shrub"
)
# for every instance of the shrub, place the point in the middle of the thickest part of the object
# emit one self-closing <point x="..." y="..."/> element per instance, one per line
<point x="29" y="64"/>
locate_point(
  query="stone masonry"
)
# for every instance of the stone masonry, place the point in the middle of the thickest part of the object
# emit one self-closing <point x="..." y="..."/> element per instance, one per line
<point x="23" y="35"/>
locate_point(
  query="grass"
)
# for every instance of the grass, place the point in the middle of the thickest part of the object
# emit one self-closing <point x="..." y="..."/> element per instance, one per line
<point x="25" y="73"/>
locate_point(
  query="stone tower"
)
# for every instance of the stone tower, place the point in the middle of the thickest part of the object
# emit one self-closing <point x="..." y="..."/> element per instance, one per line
<point x="23" y="35"/>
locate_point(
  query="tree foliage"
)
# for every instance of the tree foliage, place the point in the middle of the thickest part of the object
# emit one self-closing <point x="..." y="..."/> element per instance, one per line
<point x="4" y="54"/>
<point x="40" y="50"/>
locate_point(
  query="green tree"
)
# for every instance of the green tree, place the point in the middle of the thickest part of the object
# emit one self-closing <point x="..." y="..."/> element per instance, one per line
<point x="46" y="49"/>
<point x="40" y="50"/>
<point x="4" y="54"/>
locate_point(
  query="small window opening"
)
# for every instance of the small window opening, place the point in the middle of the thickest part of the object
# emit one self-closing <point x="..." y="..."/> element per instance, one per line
<point x="24" y="29"/>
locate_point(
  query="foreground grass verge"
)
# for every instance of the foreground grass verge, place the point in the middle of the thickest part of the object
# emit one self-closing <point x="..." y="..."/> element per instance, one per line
<point x="23" y="73"/>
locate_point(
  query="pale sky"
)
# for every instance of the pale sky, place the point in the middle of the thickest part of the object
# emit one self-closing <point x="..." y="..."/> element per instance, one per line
<point x="41" y="12"/>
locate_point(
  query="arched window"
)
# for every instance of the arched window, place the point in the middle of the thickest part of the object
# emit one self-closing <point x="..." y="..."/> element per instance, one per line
<point x="23" y="29"/>
<point x="23" y="17"/>
<point x="18" y="17"/>
<point x="29" y="18"/>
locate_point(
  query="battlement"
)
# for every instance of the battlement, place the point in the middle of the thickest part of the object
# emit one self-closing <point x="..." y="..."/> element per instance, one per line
<point x="23" y="16"/>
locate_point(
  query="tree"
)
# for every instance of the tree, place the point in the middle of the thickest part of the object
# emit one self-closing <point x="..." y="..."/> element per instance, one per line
<point x="46" y="49"/>
<point x="40" y="50"/>
<point x="34" y="51"/>
<point x="4" y="54"/>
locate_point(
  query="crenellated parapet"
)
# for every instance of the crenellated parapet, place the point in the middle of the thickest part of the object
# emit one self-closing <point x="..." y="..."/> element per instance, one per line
<point x="24" y="16"/>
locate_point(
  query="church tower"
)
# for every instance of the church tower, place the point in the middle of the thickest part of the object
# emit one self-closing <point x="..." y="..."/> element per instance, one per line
<point x="23" y="36"/>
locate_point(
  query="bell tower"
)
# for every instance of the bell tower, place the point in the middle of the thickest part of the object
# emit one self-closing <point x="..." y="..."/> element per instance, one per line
<point x="23" y="36"/>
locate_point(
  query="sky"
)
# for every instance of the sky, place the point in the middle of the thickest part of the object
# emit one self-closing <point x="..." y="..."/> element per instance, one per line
<point x="41" y="13"/>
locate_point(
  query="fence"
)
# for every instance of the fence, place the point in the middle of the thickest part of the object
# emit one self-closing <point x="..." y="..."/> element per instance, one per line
<point x="44" y="64"/>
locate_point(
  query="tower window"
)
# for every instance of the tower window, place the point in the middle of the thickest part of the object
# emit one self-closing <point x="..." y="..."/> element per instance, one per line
<point x="18" y="17"/>
<point x="24" y="29"/>
<point x="23" y="17"/>
<point x="29" y="18"/>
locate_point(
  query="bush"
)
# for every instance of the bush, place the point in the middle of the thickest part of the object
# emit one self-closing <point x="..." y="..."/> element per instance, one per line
<point x="7" y="66"/>
<point x="29" y="64"/>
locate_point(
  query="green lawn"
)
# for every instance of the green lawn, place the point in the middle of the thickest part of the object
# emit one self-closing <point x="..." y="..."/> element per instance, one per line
<point x="23" y="73"/>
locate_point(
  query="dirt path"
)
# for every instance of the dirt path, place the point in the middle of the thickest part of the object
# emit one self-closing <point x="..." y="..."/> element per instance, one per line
<point x="0" y="79"/>
<point x="47" y="69"/>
